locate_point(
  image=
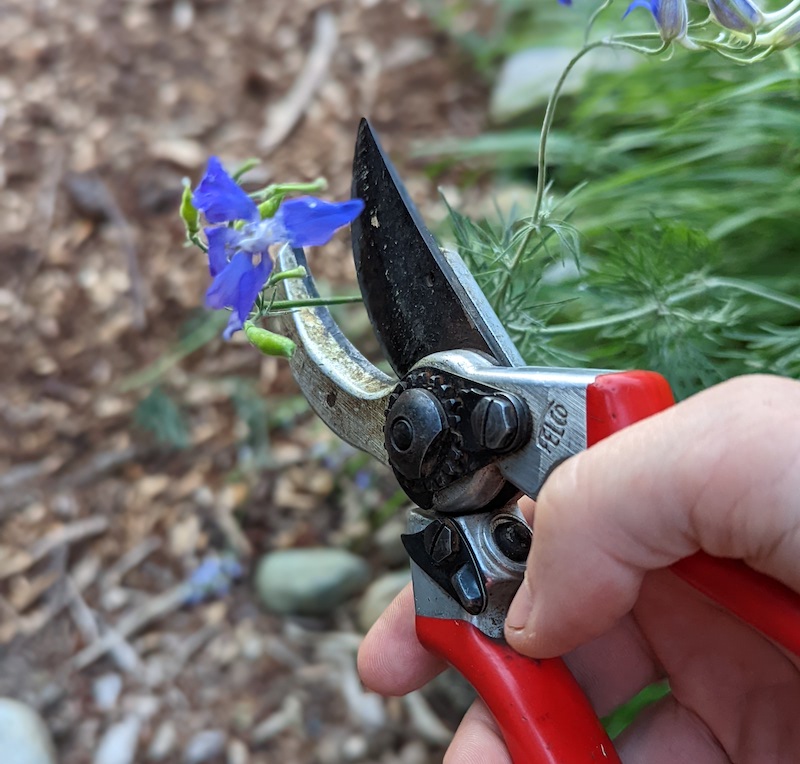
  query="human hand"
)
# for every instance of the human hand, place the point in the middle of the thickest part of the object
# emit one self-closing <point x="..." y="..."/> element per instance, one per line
<point x="719" y="472"/>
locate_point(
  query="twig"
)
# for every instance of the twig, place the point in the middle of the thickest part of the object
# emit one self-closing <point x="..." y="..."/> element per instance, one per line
<point x="94" y="199"/>
<point x="282" y="117"/>
<point x="133" y="557"/>
<point x="21" y="474"/>
<point x="131" y="622"/>
<point x="100" y="464"/>
<point x="63" y="536"/>
<point x="45" y="210"/>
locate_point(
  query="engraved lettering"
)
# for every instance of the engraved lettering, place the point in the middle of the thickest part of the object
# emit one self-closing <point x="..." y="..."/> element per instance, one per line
<point x="553" y="427"/>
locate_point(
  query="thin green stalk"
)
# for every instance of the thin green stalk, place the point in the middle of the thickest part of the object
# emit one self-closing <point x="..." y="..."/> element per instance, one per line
<point x="694" y="291"/>
<point x="755" y="289"/>
<point x="311" y="302"/>
<point x="593" y="18"/>
<point x="622" y="42"/>
<point x="193" y="341"/>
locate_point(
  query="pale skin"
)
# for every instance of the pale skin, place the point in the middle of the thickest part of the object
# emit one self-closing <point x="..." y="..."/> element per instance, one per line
<point x="719" y="472"/>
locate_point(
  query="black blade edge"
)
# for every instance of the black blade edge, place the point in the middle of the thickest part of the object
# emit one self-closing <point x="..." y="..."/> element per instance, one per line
<point x="418" y="304"/>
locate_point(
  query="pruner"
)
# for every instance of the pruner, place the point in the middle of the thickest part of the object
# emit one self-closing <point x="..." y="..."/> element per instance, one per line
<point x="468" y="428"/>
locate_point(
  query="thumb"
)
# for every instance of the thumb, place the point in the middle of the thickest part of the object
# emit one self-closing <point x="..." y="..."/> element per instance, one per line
<point x="718" y="472"/>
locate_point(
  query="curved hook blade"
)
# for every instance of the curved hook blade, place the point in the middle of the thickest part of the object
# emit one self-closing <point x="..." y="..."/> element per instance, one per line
<point x="347" y="392"/>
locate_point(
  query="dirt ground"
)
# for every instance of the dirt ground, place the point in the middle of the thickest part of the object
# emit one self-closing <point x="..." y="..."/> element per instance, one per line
<point x="104" y="108"/>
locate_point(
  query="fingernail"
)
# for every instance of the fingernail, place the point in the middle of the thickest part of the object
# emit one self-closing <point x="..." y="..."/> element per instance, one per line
<point x="521" y="607"/>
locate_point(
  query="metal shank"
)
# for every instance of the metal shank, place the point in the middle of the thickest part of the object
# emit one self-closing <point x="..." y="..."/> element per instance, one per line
<point x="346" y="391"/>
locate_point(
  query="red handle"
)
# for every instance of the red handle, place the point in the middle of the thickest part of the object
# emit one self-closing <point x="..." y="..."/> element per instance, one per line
<point x="542" y="712"/>
<point x="616" y="400"/>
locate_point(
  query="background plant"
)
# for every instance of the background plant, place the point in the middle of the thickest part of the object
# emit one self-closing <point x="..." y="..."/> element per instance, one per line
<point x="670" y="242"/>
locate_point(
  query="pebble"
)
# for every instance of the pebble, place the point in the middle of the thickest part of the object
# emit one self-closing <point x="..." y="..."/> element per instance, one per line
<point x="204" y="746"/>
<point x="237" y="753"/>
<point x="163" y="742"/>
<point x="379" y="595"/>
<point x="106" y="690"/>
<point x="311" y="581"/>
<point x="119" y="742"/>
<point x="24" y="738"/>
<point x="389" y="542"/>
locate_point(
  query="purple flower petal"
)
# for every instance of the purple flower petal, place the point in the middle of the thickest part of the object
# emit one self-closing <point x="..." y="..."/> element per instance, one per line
<point x="311" y="222"/>
<point x="219" y="237"/>
<point x="224" y="289"/>
<point x="220" y="198"/>
<point x="251" y="283"/>
<point x="234" y="325"/>
<point x="651" y="5"/>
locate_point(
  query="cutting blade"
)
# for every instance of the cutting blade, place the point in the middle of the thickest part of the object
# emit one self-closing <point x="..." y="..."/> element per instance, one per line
<point x="420" y="299"/>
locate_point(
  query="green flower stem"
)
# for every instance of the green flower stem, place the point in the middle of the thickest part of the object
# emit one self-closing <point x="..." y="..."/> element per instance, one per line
<point x="245" y="167"/>
<point x="755" y="289"/>
<point x="207" y="331"/>
<point x="311" y="302"/>
<point x="654" y="307"/>
<point x="593" y="18"/>
<point x="784" y="13"/>
<point x="622" y="42"/>
<point x="294" y="273"/>
<point x="281" y="189"/>
<point x="195" y="239"/>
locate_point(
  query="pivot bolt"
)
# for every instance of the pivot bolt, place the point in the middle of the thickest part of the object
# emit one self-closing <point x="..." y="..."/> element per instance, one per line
<point x="513" y="538"/>
<point x="415" y="425"/>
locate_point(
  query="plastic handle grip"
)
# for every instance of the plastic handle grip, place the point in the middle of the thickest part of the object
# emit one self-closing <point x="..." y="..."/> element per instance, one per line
<point x="617" y="400"/>
<point x="542" y="713"/>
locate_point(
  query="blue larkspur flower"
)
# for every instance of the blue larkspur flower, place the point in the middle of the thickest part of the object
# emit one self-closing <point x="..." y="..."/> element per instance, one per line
<point x="238" y="257"/>
<point x="672" y="16"/>
<point x="212" y="578"/>
<point x="736" y="15"/>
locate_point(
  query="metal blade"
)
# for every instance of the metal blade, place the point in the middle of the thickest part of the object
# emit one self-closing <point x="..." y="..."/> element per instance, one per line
<point x="348" y="393"/>
<point x="420" y="300"/>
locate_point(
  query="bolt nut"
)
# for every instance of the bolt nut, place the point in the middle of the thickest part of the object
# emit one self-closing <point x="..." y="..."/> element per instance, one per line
<point x="495" y="423"/>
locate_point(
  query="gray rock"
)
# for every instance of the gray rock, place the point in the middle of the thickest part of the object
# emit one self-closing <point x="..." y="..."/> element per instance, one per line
<point x="309" y="581"/>
<point x="379" y="595"/>
<point x="106" y="690"/>
<point x="390" y="545"/>
<point x="24" y="738"/>
<point x="527" y="77"/>
<point x="204" y="746"/>
<point x="119" y="742"/>
<point x="163" y="742"/>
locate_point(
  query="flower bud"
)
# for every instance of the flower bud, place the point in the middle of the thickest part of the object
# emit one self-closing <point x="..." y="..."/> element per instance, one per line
<point x="268" y="208"/>
<point x="672" y="17"/>
<point x="786" y="34"/>
<point x="736" y="15"/>
<point x="188" y="212"/>
<point x="268" y="342"/>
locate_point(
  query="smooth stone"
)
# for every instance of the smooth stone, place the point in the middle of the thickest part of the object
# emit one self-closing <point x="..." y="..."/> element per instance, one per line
<point x="379" y="596"/>
<point x="163" y="741"/>
<point x="204" y="746"/>
<point x="119" y="742"/>
<point x="106" y="690"/>
<point x="24" y="738"/>
<point x="527" y="77"/>
<point x="311" y="581"/>
<point x="389" y="542"/>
